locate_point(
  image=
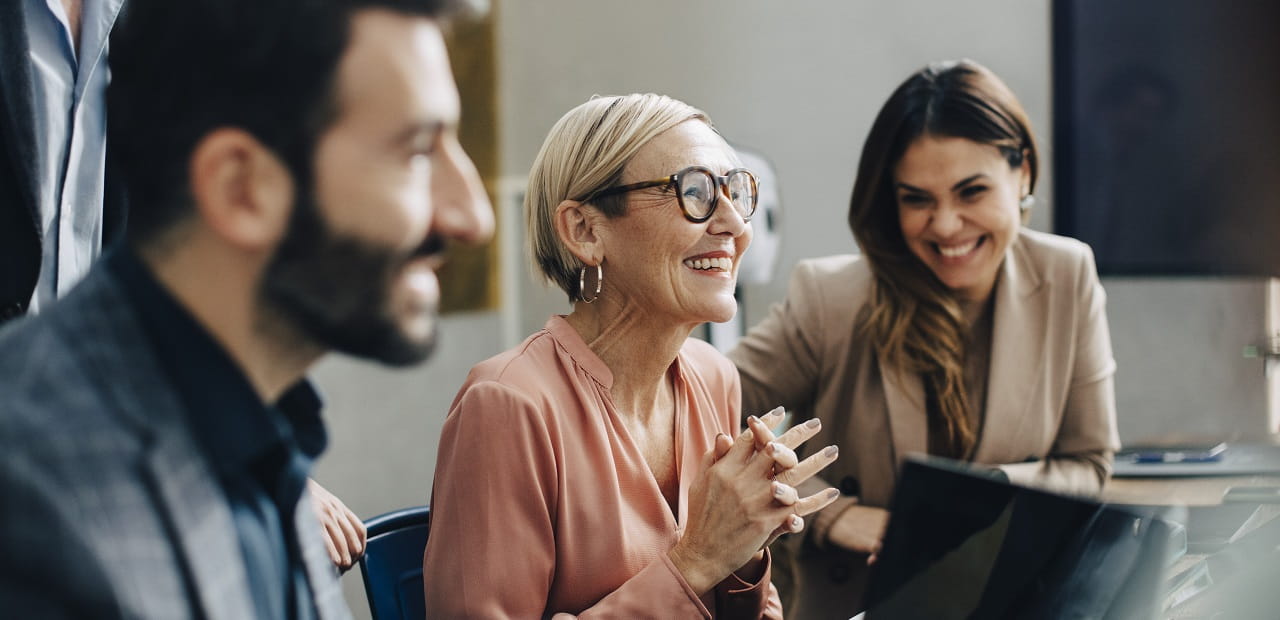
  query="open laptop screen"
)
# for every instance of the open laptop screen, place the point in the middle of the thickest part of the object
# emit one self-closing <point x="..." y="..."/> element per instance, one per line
<point x="962" y="543"/>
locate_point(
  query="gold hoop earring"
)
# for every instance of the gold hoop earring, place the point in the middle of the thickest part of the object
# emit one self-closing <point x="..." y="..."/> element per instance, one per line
<point x="582" y="284"/>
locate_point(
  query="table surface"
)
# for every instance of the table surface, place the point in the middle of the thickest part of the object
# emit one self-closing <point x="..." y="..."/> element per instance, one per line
<point x="1200" y="491"/>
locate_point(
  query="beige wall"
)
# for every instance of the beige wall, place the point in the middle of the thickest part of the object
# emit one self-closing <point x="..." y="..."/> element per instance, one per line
<point x="796" y="81"/>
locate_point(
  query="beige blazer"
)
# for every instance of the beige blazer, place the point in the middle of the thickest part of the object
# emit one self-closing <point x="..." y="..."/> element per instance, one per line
<point x="1049" y="417"/>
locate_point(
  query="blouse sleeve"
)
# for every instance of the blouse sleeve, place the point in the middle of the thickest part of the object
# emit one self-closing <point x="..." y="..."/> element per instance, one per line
<point x="735" y="598"/>
<point x="1082" y="453"/>
<point x="492" y="548"/>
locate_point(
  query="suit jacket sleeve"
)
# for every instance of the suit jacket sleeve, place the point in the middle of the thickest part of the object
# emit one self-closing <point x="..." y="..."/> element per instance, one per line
<point x="1080" y="461"/>
<point x="778" y="359"/>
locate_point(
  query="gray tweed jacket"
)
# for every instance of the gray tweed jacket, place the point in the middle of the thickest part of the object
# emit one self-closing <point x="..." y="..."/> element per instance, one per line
<point x="107" y="507"/>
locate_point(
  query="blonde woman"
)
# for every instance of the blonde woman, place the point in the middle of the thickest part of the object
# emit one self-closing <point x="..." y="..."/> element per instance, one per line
<point x="956" y="332"/>
<point x="598" y="469"/>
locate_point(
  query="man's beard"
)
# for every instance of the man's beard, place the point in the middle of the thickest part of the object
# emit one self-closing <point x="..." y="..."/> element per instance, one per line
<point x="336" y="290"/>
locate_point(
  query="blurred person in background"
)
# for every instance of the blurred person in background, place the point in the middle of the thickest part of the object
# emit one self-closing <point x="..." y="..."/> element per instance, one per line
<point x="61" y="202"/>
<point x="294" y="173"/>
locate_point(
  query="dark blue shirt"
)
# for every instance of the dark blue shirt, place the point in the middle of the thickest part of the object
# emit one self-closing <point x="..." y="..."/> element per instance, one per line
<point x="261" y="453"/>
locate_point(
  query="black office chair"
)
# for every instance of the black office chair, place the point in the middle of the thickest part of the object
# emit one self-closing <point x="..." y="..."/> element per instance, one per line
<point x="392" y="563"/>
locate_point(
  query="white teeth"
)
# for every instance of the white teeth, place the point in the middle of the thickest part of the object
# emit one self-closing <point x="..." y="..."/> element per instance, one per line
<point x="706" y="264"/>
<point x="953" y="251"/>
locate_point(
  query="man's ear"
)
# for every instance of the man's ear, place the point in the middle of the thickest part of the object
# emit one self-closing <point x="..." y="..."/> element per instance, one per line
<point x="577" y="224"/>
<point x="243" y="193"/>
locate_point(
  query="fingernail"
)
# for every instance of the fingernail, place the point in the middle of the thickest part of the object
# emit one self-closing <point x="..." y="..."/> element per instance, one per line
<point x="831" y="451"/>
<point x="796" y="523"/>
<point x="813" y="423"/>
<point x="752" y="419"/>
<point x="772" y="448"/>
<point x="776" y="410"/>
<point x="833" y="493"/>
<point x="778" y="490"/>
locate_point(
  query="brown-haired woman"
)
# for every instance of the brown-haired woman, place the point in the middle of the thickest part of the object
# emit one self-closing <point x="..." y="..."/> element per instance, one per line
<point x="957" y="332"/>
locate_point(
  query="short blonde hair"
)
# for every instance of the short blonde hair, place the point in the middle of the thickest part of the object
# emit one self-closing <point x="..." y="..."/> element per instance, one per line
<point x="585" y="153"/>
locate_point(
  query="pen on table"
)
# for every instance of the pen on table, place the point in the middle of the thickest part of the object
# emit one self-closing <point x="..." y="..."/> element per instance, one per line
<point x="1174" y="457"/>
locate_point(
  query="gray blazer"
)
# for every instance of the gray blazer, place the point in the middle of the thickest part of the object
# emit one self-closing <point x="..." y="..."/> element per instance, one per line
<point x="108" y="508"/>
<point x="1050" y="416"/>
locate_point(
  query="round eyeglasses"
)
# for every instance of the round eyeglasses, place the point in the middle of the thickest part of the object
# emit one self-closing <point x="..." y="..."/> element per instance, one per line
<point x="697" y="191"/>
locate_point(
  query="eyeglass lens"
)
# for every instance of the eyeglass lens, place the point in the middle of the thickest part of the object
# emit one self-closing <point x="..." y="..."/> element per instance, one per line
<point x="698" y="192"/>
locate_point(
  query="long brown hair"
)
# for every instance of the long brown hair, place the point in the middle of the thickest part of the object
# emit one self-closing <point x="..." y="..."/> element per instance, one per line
<point x="914" y="319"/>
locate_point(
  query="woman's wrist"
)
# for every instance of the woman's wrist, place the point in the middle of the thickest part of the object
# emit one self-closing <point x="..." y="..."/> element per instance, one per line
<point x="693" y="569"/>
<point x="859" y="529"/>
<point x="822" y="521"/>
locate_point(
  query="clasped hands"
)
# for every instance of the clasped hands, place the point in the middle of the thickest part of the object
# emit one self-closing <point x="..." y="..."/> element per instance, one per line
<point x="746" y="497"/>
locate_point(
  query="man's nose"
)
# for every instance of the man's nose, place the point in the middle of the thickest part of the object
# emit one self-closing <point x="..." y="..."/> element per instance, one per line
<point x="463" y="211"/>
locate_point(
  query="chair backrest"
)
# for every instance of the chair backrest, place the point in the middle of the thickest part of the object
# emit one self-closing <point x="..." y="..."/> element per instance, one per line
<point x="392" y="564"/>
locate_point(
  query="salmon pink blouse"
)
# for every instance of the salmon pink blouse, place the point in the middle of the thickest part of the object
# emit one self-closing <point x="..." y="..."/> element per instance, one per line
<point x="542" y="504"/>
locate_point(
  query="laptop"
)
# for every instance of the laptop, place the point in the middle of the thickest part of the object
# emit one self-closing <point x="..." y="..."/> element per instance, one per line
<point x="964" y="543"/>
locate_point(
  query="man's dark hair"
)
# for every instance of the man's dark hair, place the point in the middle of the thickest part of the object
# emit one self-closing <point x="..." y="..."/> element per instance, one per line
<point x="182" y="68"/>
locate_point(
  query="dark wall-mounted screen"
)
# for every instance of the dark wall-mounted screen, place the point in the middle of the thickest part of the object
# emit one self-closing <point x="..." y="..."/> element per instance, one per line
<point x="1167" y="134"/>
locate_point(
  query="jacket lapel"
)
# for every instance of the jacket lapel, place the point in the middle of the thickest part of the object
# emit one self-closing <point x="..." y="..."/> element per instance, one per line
<point x="187" y="492"/>
<point x="202" y="523"/>
<point x="905" y="408"/>
<point x="16" y="112"/>
<point x="1019" y="330"/>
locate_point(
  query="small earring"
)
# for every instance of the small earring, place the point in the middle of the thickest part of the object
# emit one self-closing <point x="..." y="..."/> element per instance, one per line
<point x="1026" y="203"/>
<point x="582" y="284"/>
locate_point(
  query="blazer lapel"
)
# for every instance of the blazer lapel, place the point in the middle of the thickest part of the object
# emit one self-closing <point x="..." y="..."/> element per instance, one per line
<point x="905" y="408"/>
<point x="202" y="523"/>
<point x="187" y="491"/>
<point x="1020" y="327"/>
